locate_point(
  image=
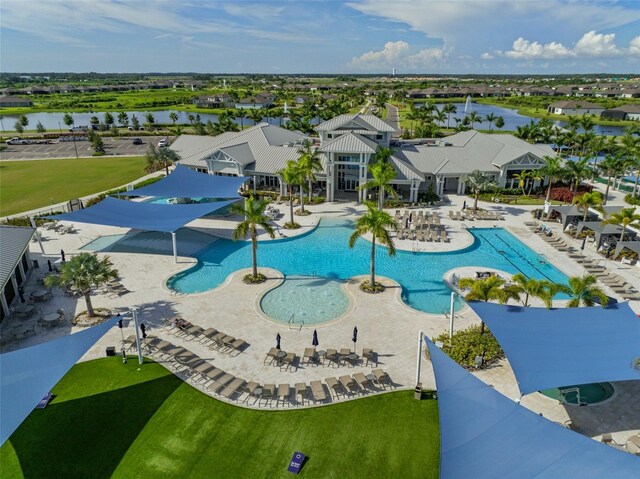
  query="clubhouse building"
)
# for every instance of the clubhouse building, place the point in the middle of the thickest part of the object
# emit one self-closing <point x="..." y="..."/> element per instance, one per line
<point x="346" y="146"/>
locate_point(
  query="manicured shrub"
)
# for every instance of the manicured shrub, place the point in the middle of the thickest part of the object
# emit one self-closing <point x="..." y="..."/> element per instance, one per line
<point x="467" y="344"/>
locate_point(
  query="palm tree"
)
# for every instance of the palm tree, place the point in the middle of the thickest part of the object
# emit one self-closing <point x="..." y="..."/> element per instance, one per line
<point x="499" y="122"/>
<point x="477" y="182"/>
<point x="173" y="116"/>
<point x="625" y="218"/>
<point x="522" y="178"/>
<point x="158" y="158"/>
<point x="449" y="108"/>
<point x="242" y="114"/>
<point x="254" y="217"/>
<point x="291" y="175"/>
<point x="474" y="118"/>
<point x="531" y="287"/>
<point x="382" y="172"/>
<point x="490" y="119"/>
<point x="310" y="164"/>
<point x="487" y="289"/>
<point x="256" y="115"/>
<point x="577" y="171"/>
<point x="553" y="169"/>
<point x="586" y="201"/>
<point x="378" y="223"/>
<point x="83" y="272"/>
<point x="611" y="166"/>
<point x="630" y="148"/>
<point x="582" y="290"/>
<point x="191" y="118"/>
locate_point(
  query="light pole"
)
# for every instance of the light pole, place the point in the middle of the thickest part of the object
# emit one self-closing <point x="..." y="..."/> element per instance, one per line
<point x="419" y="361"/>
<point x="451" y="313"/>
<point x="136" y="325"/>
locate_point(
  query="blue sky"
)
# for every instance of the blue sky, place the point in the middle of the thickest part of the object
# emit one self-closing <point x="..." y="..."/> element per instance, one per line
<point x="315" y="36"/>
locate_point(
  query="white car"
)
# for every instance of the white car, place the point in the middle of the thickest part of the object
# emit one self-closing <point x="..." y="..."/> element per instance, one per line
<point x="17" y="141"/>
<point x="163" y="142"/>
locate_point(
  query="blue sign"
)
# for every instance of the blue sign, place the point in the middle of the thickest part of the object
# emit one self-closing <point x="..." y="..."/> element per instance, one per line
<point x="296" y="462"/>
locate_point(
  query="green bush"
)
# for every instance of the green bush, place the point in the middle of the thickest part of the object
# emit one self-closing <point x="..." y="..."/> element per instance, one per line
<point x="468" y="343"/>
<point x="631" y="200"/>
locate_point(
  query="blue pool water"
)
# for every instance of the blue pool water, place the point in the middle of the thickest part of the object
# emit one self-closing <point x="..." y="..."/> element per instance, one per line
<point x="324" y="253"/>
<point x="316" y="300"/>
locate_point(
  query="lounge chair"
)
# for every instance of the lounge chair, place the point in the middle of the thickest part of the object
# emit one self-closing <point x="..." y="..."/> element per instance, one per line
<point x="334" y="386"/>
<point x="207" y="334"/>
<point x="301" y="391"/>
<point x="362" y="381"/>
<point x="238" y="346"/>
<point x="309" y="355"/>
<point x="344" y="356"/>
<point x="202" y="369"/>
<point x="332" y="356"/>
<point x="369" y="356"/>
<point x="220" y="382"/>
<point x="268" y="392"/>
<point x="288" y="361"/>
<point x="283" y="393"/>
<point x="348" y="383"/>
<point x="232" y="388"/>
<point x="271" y="356"/>
<point x="130" y="342"/>
<point x="317" y="389"/>
<point x="444" y="237"/>
<point x="250" y="388"/>
<point x="382" y="378"/>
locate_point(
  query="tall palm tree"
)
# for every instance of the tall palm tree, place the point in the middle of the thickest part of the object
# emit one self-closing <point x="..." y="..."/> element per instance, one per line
<point x="242" y="114"/>
<point x="449" y="108"/>
<point x="577" y="171"/>
<point x="158" y="158"/>
<point x="382" y="172"/>
<point x="625" y="218"/>
<point x="552" y="169"/>
<point x="487" y="289"/>
<point x="630" y="149"/>
<point x="173" y="116"/>
<point x="490" y="119"/>
<point x="256" y="115"/>
<point x="291" y="175"/>
<point x="310" y="164"/>
<point x="474" y="118"/>
<point x="588" y="200"/>
<point x="254" y="217"/>
<point x="378" y="223"/>
<point x="477" y="182"/>
<point x="83" y="272"/>
<point x="582" y="290"/>
<point x="522" y="178"/>
<point x="611" y="166"/>
<point x="531" y="287"/>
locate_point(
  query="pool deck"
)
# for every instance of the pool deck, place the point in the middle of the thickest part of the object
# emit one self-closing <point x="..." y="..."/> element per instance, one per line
<point x="384" y="322"/>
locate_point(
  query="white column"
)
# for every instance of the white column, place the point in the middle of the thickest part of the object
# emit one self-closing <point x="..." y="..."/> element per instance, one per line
<point x="452" y="313"/>
<point x="255" y="180"/>
<point x="175" y="246"/>
<point x="22" y="271"/>
<point x="330" y="179"/>
<point x="419" y="360"/>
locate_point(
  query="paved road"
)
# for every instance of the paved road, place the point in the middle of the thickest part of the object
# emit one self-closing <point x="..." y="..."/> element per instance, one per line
<point x="113" y="146"/>
<point x="392" y="118"/>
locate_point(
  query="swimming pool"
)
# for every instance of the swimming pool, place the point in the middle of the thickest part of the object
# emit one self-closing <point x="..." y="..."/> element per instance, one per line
<point x="324" y="253"/>
<point x="166" y="201"/>
<point x="581" y="393"/>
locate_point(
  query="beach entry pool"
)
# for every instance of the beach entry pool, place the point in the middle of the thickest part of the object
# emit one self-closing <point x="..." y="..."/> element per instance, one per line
<point x="581" y="393"/>
<point x="324" y="253"/>
<point x="304" y="301"/>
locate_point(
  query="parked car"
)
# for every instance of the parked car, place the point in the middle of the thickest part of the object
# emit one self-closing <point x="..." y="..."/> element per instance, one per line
<point x="137" y="141"/>
<point x="78" y="128"/>
<point x="162" y="143"/>
<point x="17" y="141"/>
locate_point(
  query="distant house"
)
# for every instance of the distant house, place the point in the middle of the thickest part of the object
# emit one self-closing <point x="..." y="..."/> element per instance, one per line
<point x="569" y="107"/>
<point x="14" y="101"/>
<point x="213" y="101"/>
<point x="255" y="103"/>
<point x="537" y="91"/>
<point x="624" y="112"/>
<point x="630" y="93"/>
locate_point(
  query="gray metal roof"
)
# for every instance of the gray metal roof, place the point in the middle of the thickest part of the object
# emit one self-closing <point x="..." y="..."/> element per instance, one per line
<point x="14" y="240"/>
<point x="365" y="122"/>
<point x="405" y="171"/>
<point x="350" y="143"/>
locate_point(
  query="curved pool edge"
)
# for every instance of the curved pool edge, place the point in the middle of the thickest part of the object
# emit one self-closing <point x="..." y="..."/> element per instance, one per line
<point x="595" y="404"/>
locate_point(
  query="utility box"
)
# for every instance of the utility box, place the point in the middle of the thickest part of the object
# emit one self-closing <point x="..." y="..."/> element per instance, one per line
<point x="417" y="394"/>
<point x="111" y="351"/>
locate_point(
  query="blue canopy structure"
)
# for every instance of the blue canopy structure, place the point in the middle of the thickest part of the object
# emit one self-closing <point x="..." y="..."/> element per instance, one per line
<point x="28" y="374"/>
<point x="560" y="347"/>
<point x="184" y="182"/>
<point x="484" y="434"/>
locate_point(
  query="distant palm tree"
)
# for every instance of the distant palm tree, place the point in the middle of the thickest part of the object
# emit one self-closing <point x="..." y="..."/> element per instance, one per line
<point x="499" y="122"/>
<point x="477" y="182"/>
<point x="310" y="164"/>
<point x="553" y="169"/>
<point x="582" y="290"/>
<point x="490" y="119"/>
<point x="242" y="114"/>
<point x="378" y="223"/>
<point x="191" y="118"/>
<point x="256" y="115"/>
<point x="449" y="108"/>
<point x="291" y="175"/>
<point x="611" y="166"/>
<point x="522" y="178"/>
<point x="254" y="217"/>
<point x="625" y="218"/>
<point x="158" y="158"/>
<point x="382" y="172"/>
<point x="83" y="272"/>
<point x="531" y="287"/>
<point x="474" y="118"/>
<point x="588" y="200"/>
<point x="173" y="116"/>
<point x="576" y="171"/>
<point x="487" y="289"/>
<point x="123" y="118"/>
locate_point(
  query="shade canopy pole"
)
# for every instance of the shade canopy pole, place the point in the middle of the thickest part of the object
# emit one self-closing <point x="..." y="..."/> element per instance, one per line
<point x="136" y="326"/>
<point x="33" y="224"/>
<point x="419" y="360"/>
<point x="175" y="247"/>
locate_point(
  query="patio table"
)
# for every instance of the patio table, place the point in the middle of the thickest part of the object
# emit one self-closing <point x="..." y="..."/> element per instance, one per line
<point x="280" y="356"/>
<point x="50" y="319"/>
<point x="24" y="331"/>
<point x="41" y="295"/>
<point x="25" y="310"/>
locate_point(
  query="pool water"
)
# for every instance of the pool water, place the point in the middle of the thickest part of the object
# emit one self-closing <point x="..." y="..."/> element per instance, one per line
<point x="324" y="253"/>
<point x="588" y="393"/>
<point x="304" y="300"/>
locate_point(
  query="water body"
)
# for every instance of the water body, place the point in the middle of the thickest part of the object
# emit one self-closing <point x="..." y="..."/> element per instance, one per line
<point x="512" y="119"/>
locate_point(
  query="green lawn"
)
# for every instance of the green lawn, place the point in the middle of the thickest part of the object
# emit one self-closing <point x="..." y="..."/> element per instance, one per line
<point x="126" y="421"/>
<point x="26" y="185"/>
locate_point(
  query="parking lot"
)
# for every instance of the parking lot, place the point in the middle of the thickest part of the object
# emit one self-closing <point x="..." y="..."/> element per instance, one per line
<point x="112" y="146"/>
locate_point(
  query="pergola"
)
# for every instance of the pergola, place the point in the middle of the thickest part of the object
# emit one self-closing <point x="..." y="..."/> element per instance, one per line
<point x="599" y="230"/>
<point x="569" y="213"/>
<point x="630" y="245"/>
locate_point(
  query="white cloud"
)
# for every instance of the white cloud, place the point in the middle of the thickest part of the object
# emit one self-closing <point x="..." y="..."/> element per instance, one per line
<point x="525" y="50"/>
<point x="597" y="45"/>
<point x="487" y="56"/>
<point x="396" y="54"/>
<point x="634" y="46"/>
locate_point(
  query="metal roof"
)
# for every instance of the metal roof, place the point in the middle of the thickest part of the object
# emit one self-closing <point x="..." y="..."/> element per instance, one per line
<point x="405" y="171"/>
<point x="367" y="122"/>
<point x="350" y="143"/>
<point x="14" y="240"/>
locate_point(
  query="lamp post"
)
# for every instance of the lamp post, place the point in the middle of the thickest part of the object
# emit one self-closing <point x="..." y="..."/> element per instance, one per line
<point x="451" y="313"/>
<point x="419" y="360"/>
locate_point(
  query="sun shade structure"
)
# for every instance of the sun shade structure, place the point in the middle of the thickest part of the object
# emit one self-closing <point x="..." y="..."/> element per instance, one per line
<point x="633" y="246"/>
<point x="600" y="230"/>
<point x="184" y="182"/>
<point x="484" y="434"/>
<point x="570" y="213"/>
<point x="28" y="374"/>
<point x="558" y="347"/>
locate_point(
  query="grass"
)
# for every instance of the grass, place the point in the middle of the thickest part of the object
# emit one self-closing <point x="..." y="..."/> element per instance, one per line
<point x="126" y="421"/>
<point x="26" y="185"/>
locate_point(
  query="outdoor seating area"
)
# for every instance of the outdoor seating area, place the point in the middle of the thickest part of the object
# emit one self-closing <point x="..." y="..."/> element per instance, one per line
<point x="211" y="337"/>
<point x="420" y="226"/>
<point x="472" y="215"/>
<point x="326" y="358"/>
<point x="631" y="445"/>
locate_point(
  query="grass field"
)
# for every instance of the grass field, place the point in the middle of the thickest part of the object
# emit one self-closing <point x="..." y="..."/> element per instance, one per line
<point x="126" y="421"/>
<point x="26" y="185"/>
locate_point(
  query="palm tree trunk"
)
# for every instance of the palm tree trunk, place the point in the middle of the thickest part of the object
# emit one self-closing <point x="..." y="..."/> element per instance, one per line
<point x="481" y="328"/>
<point x="254" y="253"/>
<point x="475" y="202"/>
<point x="301" y="199"/>
<point x="526" y="300"/>
<point x="622" y="234"/>
<point x="310" y="191"/>
<point x="291" y="203"/>
<point x="381" y="198"/>
<point x="606" y="192"/>
<point x="87" y="298"/>
<point x="549" y="191"/>
<point x="635" y="185"/>
<point x="372" y="276"/>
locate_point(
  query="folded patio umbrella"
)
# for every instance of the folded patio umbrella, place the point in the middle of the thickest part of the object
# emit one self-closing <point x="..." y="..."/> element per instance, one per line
<point x="278" y="341"/>
<point x="314" y="341"/>
<point x="355" y="337"/>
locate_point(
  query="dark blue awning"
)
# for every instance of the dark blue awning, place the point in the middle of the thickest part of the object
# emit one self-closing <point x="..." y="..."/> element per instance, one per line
<point x="184" y="182"/>
<point x="559" y="347"/>
<point x="486" y="435"/>
<point x="141" y="216"/>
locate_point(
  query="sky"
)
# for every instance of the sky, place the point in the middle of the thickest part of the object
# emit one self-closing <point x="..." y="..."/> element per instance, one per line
<point x="317" y="36"/>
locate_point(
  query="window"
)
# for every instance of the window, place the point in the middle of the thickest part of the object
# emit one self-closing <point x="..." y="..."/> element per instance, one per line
<point x="378" y="137"/>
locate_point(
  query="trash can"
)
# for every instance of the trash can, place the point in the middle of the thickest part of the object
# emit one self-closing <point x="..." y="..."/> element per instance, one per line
<point x="417" y="394"/>
<point x="111" y="351"/>
<point x="35" y="263"/>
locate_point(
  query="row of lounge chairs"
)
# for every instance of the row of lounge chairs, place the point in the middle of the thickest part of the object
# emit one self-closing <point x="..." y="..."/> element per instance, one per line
<point x="471" y="215"/>
<point x="210" y="337"/>
<point x="427" y="235"/>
